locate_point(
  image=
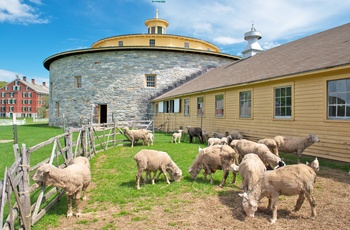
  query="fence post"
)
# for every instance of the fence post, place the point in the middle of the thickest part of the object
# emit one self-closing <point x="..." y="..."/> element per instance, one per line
<point x="24" y="188"/>
<point x="83" y="142"/>
<point x="69" y="143"/>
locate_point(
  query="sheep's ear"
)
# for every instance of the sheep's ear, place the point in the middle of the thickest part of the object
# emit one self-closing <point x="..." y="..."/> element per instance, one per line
<point x="199" y="148"/>
<point x="243" y="195"/>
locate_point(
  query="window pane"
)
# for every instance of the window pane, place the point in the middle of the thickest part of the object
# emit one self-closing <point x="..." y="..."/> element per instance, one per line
<point x="283" y="102"/>
<point x="245" y="104"/>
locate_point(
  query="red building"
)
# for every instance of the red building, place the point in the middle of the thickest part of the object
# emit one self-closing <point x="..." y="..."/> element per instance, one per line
<point x="22" y="98"/>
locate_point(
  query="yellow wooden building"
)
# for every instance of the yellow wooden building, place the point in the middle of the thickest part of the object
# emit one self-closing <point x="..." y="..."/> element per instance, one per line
<point x="295" y="89"/>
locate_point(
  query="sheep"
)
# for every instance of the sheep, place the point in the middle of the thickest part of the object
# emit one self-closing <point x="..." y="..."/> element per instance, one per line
<point x="153" y="160"/>
<point x="212" y="158"/>
<point x="279" y="141"/>
<point x="218" y="135"/>
<point x="244" y="147"/>
<point x="74" y="179"/>
<point x="150" y="139"/>
<point x="226" y="140"/>
<point x="214" y="141"/>
<point x="135" y="135"/>
<point x="251" y="169"/>
<point x="289" y="180"/>
<point x="297" y="145"/>
<point x="235" y="135"/>
<point x="315" y="165"/>
<point x="195" y="132"/>
<point x="271" y="144"/>
<point x="177" y="136"/>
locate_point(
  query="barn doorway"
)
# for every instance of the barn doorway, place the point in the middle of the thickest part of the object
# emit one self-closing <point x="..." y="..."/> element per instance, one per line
<point x="99" y="114"/>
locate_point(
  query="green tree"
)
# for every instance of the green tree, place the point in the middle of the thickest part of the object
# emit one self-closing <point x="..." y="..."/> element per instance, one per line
<point x="3" y="83"/>
<point x="41" y="112"/>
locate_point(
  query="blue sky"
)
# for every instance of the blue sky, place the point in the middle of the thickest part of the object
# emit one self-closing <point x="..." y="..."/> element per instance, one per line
<point x="33" y="30"/>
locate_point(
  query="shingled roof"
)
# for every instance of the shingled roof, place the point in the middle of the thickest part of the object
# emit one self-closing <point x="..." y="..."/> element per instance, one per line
<point x="327" y="49"/>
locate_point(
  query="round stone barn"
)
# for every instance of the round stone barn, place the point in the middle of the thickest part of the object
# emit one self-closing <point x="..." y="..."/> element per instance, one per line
<point x="117" y="77"/>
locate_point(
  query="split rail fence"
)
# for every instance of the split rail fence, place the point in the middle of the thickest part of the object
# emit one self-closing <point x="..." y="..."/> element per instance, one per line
<point x="26" y="202"/>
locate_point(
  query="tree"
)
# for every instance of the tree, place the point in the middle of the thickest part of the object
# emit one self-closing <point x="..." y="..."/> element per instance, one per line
<point x="3" y="83"/>
<point x="41" y="112"/>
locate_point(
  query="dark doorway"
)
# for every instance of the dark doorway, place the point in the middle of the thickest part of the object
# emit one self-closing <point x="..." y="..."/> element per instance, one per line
<point x="103" y="113"/>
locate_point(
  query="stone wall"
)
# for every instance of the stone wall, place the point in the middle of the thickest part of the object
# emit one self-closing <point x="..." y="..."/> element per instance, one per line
<point x="117" y="79"/>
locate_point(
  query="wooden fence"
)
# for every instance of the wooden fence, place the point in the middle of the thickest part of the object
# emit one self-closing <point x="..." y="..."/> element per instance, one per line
<point x="26" y="201"/>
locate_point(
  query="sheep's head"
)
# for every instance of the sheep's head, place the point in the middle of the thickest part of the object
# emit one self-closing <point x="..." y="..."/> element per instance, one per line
<point x="249" y="204"/>
<point x="175" y="174"/>
<point x="315" y="165"/>
<point x="41" y="173"/>
<point x="313" y="138"/>
<point x="193" y="172"/>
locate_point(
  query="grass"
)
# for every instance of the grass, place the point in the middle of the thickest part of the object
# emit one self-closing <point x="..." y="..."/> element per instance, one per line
<point x="113" y="176"/>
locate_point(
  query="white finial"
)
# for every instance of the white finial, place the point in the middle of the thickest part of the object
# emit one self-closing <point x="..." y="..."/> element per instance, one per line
<point x="157" y="13"/>
<point x="253" y="29"/>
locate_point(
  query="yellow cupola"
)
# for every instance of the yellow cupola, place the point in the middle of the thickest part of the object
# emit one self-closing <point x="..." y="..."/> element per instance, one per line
<point x="156" y="25"/>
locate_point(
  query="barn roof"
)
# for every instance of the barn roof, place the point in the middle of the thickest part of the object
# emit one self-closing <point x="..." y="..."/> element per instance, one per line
<point x="327" y="49"/>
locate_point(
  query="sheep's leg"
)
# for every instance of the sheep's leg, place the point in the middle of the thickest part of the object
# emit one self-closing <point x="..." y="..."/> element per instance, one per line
<point x="234" y="177"/>
<point x="300" y="201"/>
<point x="312" y="202"/>
<point x="165" y="176"/>
<point x="138" y="177"/>
<point x="226" y="172"/>
<point x="70" y="207"/>
<point x="274" y="201"/>
<point x="77" y="204"/>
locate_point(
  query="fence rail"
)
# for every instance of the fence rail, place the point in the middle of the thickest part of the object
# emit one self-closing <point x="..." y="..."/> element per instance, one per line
<point x="28" y="202"/>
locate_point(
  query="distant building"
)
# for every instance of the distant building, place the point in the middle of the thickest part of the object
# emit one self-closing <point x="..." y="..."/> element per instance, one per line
<point x="22" y="98"/>
<point x="116" y="79"/>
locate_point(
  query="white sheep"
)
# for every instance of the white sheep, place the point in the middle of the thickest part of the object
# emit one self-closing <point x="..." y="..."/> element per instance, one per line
<point x="251" y="169"/>
<point x="150" y="138"/>
<point x="297" y="145"/>
<point x="214" y="141"/>
<point x="235" y="135"/>
<point x="135" y="135"/>
<point x="271" y="144"/>
<point x="74" y="179"/>
<point x="153" y="160"/>
<point x="177" y="136"/>
<point x="213" y="158"/>
<point x="314" y="164"/>
<point x="289" y="180"/>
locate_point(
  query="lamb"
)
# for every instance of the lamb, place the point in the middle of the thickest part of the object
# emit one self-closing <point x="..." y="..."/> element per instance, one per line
<point x="271" y="144"/>
<point x="195" y="132"/>
<point x="135" y="135"/>
<point x="213" y="158"/>
<point x="150" y="139"/>
<point x="244" y="147"/>
<point x="214" y="141"/>
<point x="74" y="179"/>
<point x="235" y="135"/>
<point x="226" y="140"/>
<point x="289" y="180"/>
<point x="315" y="165"/>
<point x="153" y="160"/>
<point x="177" y="136"/>
<point x="251" y="169"/>
<point x="297" y="145"/>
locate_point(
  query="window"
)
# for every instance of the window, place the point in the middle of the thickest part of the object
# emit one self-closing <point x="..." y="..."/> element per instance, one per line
<point x="78" y="82"/>
<point x="120" y="43"/>
<point x="159" y="30"/>
<point x="186" y="107"/>
<point x="338" y="99"/>
<point x="29" y="94"/>
<point x="11" y="109"/>
<point x="219" y="105"/>
<point x="57" y="109"/>
<point x="29" y="102"/>
<point x="200" y="106"/>
<point x="12" y="94"/>
<point x="6" y="87"/>
<point x="245" y="104"/>
<point x="24" y="94"/>
<point x="152" y="42"/>
<point x="24" y="109"/>
<point x="151" y="80"/>
<point x="24" y="102"/>
<point x="283" y="102"/>
<point x="187" y="45"/>
<point x="29" y="109"/>
<point x="153" y="30"/>
<point x="3" y="101"/>
<point x="3" y="94"/>
<point x="171" y="106"/>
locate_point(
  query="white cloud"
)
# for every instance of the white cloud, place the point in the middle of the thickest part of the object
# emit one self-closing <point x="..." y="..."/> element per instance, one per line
<point x="270" y="45"/>
<point x="14" y="11"/>
<point x="7" y="76"/>
<point x="227" y="40"/>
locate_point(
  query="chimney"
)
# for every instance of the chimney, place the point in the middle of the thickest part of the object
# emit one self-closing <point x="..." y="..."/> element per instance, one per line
<point x="24" y="78"/>
<point x="44" y="83"/>
<point x="33" y="81"/>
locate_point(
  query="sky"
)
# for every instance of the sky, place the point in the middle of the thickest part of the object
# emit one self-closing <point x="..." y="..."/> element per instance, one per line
<point x="33" y="30"/>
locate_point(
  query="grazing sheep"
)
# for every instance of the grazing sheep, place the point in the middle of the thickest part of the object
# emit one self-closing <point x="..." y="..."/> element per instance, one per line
<point x="315" y="165"/>
<point x="244" y="147"/>
<point x="135" y="135"/>
<point x="153" y="160"/>
<point x="251" y="169"/>
<point x="74" y="179"/>
<point x="297" y="145"/>
<point x="195" y="132"/>
<point x="177" y="136"/>
<point x="271" y="144"/>
<point x="214" y="141"/>
<point x="150" y="139"/>
<point x="289" y="180"/>
<point x="213" y="158"/>
<point x="279" y="141"/>
<point x="235" y="135"/>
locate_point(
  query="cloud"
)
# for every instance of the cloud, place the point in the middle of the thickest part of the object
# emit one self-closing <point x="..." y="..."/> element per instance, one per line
<point x="7" y="76"/>
<point x="14" y="11"/>
<point x="227" y="40"/>
<point x="270" y="45"/>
